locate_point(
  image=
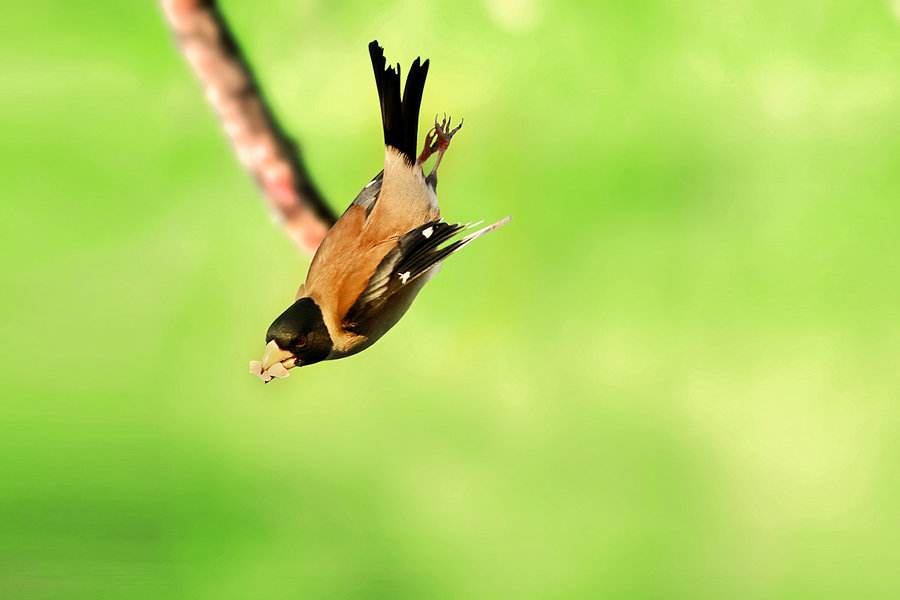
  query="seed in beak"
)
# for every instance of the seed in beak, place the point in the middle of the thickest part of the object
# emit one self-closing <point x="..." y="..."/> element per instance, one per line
<point x="278" y="370"/>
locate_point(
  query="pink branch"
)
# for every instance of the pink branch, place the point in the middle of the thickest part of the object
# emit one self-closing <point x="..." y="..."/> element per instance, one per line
<point x="261" y="145"/>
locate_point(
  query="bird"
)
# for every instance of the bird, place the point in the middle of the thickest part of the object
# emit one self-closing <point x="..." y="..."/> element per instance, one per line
<point x="383" y="249"/>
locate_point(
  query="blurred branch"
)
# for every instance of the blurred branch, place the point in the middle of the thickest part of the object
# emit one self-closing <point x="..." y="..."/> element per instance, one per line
<point x="262" y="146"/>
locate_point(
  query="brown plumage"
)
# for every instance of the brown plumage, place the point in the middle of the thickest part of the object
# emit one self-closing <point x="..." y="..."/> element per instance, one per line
<point x="382" y="250"/>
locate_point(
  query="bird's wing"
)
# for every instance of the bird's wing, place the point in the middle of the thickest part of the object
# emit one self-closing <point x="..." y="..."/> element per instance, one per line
<point x="369" y="194"/>
<point x="354" y="248"/>
<point x="414" y="254"/>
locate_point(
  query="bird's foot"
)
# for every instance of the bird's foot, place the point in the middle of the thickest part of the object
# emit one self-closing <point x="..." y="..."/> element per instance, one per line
<point x="443" y="132"/>
<point x="437" y="140"/>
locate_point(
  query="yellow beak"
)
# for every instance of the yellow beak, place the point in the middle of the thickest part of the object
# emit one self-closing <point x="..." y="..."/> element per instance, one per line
<point x="274" y="354"/>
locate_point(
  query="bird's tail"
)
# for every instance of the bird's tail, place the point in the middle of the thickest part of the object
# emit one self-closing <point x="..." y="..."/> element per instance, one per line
<point x="399" y="115"/>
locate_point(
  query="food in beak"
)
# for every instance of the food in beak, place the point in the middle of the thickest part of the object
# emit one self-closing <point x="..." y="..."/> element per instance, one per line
<point x="275" y="363"/>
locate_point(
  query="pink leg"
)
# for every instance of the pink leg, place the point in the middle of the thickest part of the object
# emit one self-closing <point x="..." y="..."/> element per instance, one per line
<point x="437" y="140"/>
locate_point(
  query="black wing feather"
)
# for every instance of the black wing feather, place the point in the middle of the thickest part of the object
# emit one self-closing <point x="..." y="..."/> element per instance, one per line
<point x="416" y="252"/>
<point x="414" y="255"/>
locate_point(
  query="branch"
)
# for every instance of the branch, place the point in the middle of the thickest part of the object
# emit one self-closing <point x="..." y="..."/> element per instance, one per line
<point x="262" y="146"/>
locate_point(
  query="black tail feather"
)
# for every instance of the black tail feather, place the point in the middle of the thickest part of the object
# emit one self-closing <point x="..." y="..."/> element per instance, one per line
<point x="399" y="115"/>
<point x="412" y="100"/>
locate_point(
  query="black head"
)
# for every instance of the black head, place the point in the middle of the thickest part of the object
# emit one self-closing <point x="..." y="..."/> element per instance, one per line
<point x="301" y="331"/>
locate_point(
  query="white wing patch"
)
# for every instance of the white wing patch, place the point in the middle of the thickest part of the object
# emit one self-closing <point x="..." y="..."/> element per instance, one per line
<point x="404" y="277"/>
<point x="427" y="232"/>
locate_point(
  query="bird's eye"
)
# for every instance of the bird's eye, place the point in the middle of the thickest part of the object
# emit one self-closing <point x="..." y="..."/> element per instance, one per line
<point x="301" y="341"/>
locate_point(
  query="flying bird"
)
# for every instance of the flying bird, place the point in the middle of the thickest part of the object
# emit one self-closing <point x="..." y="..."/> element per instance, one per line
<point x="380" y="253"/>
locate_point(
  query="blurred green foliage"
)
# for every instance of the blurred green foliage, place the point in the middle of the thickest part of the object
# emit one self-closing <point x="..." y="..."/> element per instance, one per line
<point x="675" y="374"/>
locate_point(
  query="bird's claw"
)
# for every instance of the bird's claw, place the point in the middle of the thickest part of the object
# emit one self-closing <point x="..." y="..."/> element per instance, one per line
<point x="437" y="140"/>
<point x="444" y="131"/>
<point x="430" y="145"/>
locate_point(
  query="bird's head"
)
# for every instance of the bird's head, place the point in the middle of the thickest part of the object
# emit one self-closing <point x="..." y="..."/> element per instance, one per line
<point x="298" y="337"/>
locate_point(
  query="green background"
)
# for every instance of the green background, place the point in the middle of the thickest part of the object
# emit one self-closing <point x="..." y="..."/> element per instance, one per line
<point x="674" y="374"/>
